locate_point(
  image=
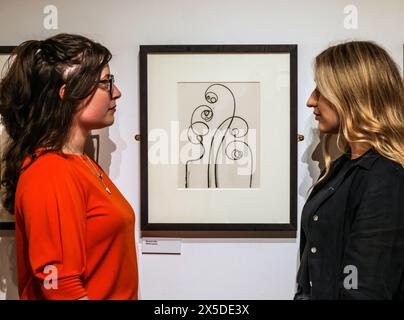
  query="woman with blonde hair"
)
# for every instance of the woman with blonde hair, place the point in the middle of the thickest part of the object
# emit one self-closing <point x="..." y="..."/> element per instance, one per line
<point x="352" y="225"/>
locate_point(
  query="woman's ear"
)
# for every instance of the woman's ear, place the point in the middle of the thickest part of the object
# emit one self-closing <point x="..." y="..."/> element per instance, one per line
<point x="62" y="91"/>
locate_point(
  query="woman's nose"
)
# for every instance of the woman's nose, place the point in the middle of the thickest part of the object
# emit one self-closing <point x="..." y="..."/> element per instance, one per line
<point x="312" y="101"/>
<point x="116" y="93"/>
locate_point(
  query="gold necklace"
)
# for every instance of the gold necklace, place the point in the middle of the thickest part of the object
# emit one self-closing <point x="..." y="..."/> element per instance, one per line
<point x="94" y="170"/>
<point x="99" y="175"/>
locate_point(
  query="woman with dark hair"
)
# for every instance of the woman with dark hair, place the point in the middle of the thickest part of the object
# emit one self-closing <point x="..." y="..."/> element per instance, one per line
<point x="74" y="229"/>
<point x="352" y="226"/>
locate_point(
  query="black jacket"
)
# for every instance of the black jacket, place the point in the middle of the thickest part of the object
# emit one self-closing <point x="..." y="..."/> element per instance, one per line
<point x="353" y="229"/>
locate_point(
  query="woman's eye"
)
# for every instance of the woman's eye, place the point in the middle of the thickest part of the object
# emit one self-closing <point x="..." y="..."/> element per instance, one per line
<point x="104" y="85"/>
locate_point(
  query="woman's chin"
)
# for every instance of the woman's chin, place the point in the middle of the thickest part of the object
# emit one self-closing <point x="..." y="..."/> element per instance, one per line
<point x="107" y="123"/>
<point x="327" y="130"/>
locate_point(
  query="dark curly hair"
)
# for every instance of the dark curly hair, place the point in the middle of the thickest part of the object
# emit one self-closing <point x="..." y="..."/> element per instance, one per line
<point x="32" y="111"/>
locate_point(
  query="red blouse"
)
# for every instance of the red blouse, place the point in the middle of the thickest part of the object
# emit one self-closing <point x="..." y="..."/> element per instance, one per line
<point x="73" y="238"/>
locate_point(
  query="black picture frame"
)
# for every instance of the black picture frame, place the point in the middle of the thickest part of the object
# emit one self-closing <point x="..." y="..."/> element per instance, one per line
<point x="217" y="230"/>
<point x="6" y="225"/>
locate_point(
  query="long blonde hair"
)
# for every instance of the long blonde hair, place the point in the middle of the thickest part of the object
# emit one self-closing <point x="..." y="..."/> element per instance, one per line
<point x="366" y="88"/>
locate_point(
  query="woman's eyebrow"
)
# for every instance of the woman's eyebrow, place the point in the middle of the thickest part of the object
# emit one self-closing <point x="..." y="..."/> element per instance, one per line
<point x="106" y="76"/>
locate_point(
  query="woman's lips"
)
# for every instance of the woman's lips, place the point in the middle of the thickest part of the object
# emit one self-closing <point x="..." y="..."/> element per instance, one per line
<point x="112" y="108"/>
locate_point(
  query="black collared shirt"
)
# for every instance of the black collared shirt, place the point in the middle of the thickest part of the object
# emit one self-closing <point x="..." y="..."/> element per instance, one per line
<point x="352" y="234"/>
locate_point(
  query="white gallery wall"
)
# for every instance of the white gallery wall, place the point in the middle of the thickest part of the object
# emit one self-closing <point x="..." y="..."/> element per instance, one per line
<point x="207" y="268"/>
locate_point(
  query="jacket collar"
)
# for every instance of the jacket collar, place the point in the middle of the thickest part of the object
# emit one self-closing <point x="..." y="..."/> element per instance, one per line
<point x="367" y="160"/>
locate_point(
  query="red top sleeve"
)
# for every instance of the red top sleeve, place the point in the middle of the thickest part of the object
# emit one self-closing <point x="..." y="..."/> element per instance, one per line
<point x="55" y="229"/>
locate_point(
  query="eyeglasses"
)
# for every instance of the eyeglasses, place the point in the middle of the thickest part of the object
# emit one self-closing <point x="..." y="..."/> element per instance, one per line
<point x="109" y="82"/>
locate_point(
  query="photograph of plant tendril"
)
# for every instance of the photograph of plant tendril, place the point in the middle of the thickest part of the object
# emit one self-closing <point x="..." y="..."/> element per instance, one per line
<point x="219" y="134"/>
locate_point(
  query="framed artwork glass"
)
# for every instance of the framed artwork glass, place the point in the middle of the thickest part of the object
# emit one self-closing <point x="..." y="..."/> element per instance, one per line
<point x="6" y="219"/>
<point x="218" y="140"/>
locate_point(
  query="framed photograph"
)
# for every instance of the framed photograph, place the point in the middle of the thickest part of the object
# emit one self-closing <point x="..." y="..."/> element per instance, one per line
<point x="218" y="141"/>
<point x="6" y="219"/>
